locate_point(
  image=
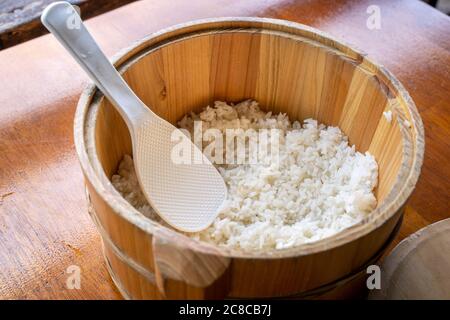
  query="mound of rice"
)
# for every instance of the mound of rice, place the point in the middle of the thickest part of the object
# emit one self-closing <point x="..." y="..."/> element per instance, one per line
<point x="319" y="186"/>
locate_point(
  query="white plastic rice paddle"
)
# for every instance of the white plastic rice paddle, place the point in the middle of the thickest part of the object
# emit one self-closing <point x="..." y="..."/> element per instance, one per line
<point x="187" y="196"/>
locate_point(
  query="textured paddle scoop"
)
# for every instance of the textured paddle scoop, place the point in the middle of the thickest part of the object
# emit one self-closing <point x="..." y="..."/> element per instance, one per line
<point x="188" y="192"/>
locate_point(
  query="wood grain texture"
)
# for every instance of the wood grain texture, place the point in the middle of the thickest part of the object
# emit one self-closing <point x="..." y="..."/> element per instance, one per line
<point x="288" y="68"/>
<point x="44" y="207"/>
<point x="19" y="19"/>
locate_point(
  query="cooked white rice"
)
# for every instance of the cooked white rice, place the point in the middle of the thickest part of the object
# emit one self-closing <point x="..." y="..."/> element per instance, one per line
<point x="319" y="186"/>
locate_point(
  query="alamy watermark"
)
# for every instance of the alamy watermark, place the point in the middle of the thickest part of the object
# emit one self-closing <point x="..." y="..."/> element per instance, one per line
<point x="74" y="20"/>
<point x="73" y="281"/>
<point x="373" y="22"/>
<point x="374" y="279"/>
<point x="231" y="146"/>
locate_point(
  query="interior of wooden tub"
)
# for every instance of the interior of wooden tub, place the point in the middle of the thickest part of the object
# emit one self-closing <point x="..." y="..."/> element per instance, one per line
<point x="300" y="78"/>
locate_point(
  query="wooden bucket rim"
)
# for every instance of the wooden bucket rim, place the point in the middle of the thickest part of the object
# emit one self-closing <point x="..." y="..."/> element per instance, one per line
<point x="412" y="138"/>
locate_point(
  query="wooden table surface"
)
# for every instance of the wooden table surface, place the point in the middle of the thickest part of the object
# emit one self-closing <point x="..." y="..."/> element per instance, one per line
<point x="44" y="225"/>
<point x="19" y="19"/>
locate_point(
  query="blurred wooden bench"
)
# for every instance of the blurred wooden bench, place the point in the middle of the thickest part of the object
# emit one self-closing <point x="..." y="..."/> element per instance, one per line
<point x="19" y="19"/>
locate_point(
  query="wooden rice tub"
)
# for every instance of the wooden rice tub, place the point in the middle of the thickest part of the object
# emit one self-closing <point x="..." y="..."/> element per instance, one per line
<point x="287" y="67"/>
